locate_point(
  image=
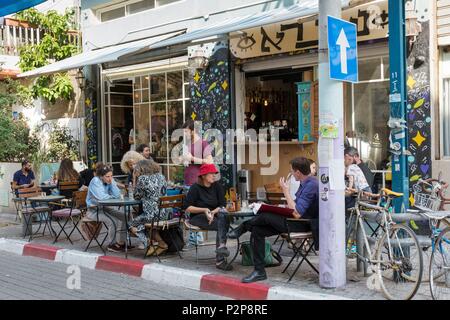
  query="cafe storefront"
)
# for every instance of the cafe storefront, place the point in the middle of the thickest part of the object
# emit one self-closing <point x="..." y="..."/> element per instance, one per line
<point x="277" y="88"/>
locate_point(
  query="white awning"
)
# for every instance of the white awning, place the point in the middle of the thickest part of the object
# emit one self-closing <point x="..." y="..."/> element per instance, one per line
<point x="303" y="9"/>
<point x="99" y="56"/>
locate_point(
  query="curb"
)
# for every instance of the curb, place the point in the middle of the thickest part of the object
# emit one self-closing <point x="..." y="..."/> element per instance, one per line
<point x="165" y="275"/>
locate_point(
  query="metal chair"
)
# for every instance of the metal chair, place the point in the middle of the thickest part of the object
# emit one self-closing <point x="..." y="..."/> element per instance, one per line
<point x="72" y="212"/>
<point x="298" y="241"/>
<point x="29" y="209"/>
<point x="174" y="202"/>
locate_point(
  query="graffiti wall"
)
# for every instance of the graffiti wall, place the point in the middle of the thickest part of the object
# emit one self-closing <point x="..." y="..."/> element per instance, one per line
<point x="91" y="129"/>
<point x="418" y="86"/>
<point x="211" y="104"/>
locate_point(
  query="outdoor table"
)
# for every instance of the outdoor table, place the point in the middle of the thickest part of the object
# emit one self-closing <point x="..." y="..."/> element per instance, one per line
<point x="46" y="199"/>
<point x="126" y="203"/>
<point x="243" y="214"/>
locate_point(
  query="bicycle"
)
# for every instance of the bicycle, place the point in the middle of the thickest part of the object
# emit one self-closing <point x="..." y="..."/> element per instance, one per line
<point x="431" y="204"/>
<point x="397" y="258"/>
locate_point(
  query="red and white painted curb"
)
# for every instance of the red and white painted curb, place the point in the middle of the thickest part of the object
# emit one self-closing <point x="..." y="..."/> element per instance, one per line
<point x="162" y="274"/>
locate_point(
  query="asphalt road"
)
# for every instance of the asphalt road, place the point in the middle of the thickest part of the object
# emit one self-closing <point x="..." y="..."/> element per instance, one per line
<point x="29" y="278"/>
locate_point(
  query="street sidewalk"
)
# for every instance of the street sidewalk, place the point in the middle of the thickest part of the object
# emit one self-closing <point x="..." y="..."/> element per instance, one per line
<point x="186" y="273"/>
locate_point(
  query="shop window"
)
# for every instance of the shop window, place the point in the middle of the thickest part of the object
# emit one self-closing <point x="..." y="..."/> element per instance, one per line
<point x="445" y="118"/>
<point x="369" y="69"/>
<point x="158" y="132"/>
<point x="142" y="124"/>
<point x="174" y="85"/>
<point x="158" y="87"/>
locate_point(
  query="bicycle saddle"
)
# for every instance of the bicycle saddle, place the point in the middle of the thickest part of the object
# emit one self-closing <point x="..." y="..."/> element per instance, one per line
<point x="392" y="193"/>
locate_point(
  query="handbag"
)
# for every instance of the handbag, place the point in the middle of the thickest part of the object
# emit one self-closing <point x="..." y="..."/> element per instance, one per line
<point x="271" y="257"/>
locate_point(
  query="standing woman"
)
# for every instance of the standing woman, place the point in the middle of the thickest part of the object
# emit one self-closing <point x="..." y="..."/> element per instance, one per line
<point x="103" y="187"/>
<point x="150" y="186"/>
<point x="205" y="202"/>
<point x="198" y="153"/>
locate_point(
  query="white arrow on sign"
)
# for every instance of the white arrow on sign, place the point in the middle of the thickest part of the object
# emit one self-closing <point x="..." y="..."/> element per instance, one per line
<point x="343" y="43"/>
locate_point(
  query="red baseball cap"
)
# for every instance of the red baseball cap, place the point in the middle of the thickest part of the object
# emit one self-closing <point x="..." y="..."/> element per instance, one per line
<point x="207" y="168"/>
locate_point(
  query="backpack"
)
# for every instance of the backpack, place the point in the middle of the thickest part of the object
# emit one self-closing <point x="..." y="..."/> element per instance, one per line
<point x="173" y="237"/>
<point x="271" y="257"/>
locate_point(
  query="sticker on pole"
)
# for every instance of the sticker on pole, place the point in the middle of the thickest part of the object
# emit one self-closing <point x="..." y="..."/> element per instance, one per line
<point x="342" y="49"/>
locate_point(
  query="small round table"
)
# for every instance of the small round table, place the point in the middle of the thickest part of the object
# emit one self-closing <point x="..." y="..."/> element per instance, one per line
<point x="48" y="220"/>
<point x="244" y="214"/>
<point x="126" y="203"/>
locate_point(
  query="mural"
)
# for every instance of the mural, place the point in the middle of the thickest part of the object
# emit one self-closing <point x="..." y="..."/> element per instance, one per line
<point x="210" y="102"/>
<point x="418" y="105"/>
<point x="91" y="129"/>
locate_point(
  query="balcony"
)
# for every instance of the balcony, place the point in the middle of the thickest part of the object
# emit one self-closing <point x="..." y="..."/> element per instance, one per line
<point x="15" y="34"/>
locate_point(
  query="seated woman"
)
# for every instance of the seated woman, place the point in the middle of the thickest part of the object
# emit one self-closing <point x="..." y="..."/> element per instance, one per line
<point x="67" y="173"/>
<point x="205" y="202"/>
<point x="150" y="185"/>
<point x="103" y="187"/>
<point x="128" y="163"/>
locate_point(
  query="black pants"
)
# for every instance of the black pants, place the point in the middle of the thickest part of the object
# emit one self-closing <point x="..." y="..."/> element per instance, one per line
<point x="221" y="224"/>
<point x="266" y="225"/>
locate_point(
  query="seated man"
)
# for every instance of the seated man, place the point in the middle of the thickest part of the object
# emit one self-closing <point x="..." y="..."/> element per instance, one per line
<point x="356" y="178"/>
<point x="23" y="178"/>
<point x="306" y="205"/>
<point x="353" y="152"/>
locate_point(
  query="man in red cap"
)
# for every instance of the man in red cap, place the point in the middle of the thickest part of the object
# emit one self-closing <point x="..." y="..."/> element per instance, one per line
<point x="205" y="202"/>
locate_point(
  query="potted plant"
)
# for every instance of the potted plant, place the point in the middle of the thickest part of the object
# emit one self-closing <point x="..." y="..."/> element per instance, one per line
<point x="38" y="158"/>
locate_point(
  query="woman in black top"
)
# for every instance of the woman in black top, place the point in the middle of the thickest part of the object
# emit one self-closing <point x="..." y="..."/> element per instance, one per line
<point x="205" y="202"/>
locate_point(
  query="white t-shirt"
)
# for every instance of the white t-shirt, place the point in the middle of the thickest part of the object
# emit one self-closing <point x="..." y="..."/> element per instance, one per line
<point x="360" y="181"/>
<point x="293" y="186"/>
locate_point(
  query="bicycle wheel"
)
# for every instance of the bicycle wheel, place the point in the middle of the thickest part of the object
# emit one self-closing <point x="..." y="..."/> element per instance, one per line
<point x="399" y="263"/>
<point x="440" y="267"/>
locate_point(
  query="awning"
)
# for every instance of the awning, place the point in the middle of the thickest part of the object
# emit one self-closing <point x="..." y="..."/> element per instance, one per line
<point x="13" y="6"/>
<point x="99" y="56"/>
<point x="303" y="9"/>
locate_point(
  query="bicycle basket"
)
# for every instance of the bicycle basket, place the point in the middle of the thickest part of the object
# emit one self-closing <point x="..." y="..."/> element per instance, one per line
<point x="426" y="202"/>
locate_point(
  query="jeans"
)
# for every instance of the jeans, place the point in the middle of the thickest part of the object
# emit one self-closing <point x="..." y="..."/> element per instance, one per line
<point x="221" y="224"/>
<point x="111" y="217"/>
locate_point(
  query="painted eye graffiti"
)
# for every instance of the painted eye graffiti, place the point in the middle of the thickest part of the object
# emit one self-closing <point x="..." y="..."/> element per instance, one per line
<point x="246" y="42"/>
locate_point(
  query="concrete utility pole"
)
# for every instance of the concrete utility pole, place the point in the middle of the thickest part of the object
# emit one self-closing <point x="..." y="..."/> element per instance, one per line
<point x="332" y="265"/>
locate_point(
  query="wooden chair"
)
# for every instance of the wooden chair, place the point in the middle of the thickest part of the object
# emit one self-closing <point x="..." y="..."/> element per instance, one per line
<point x="72" y="212"/>
<point x="174" y="202"/>
<point x="17" y="203"/>
<point x="298" y="242"/>
<point x="67" y="188"/>
<point x="29" y="209"/>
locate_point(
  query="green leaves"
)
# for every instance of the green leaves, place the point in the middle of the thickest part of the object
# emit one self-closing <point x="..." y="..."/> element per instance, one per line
<point x="54" y="46"/>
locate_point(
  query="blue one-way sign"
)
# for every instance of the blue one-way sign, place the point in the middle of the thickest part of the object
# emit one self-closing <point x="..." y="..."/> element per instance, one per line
<point x="342" y="49"/>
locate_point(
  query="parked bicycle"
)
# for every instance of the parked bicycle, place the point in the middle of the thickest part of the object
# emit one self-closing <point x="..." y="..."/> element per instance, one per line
<point x="397" y="258"/>
<point x="430" y="200"/>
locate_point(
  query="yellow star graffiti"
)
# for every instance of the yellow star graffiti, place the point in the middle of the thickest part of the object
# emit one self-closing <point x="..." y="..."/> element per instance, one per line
<point x="411" y="200"/>
<point x="411" y="82"/>
<point x="196" y="77"/>
<point x="419" y="139"/>
<point x="225" y="85"/>
<point x="193" y="116"/>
